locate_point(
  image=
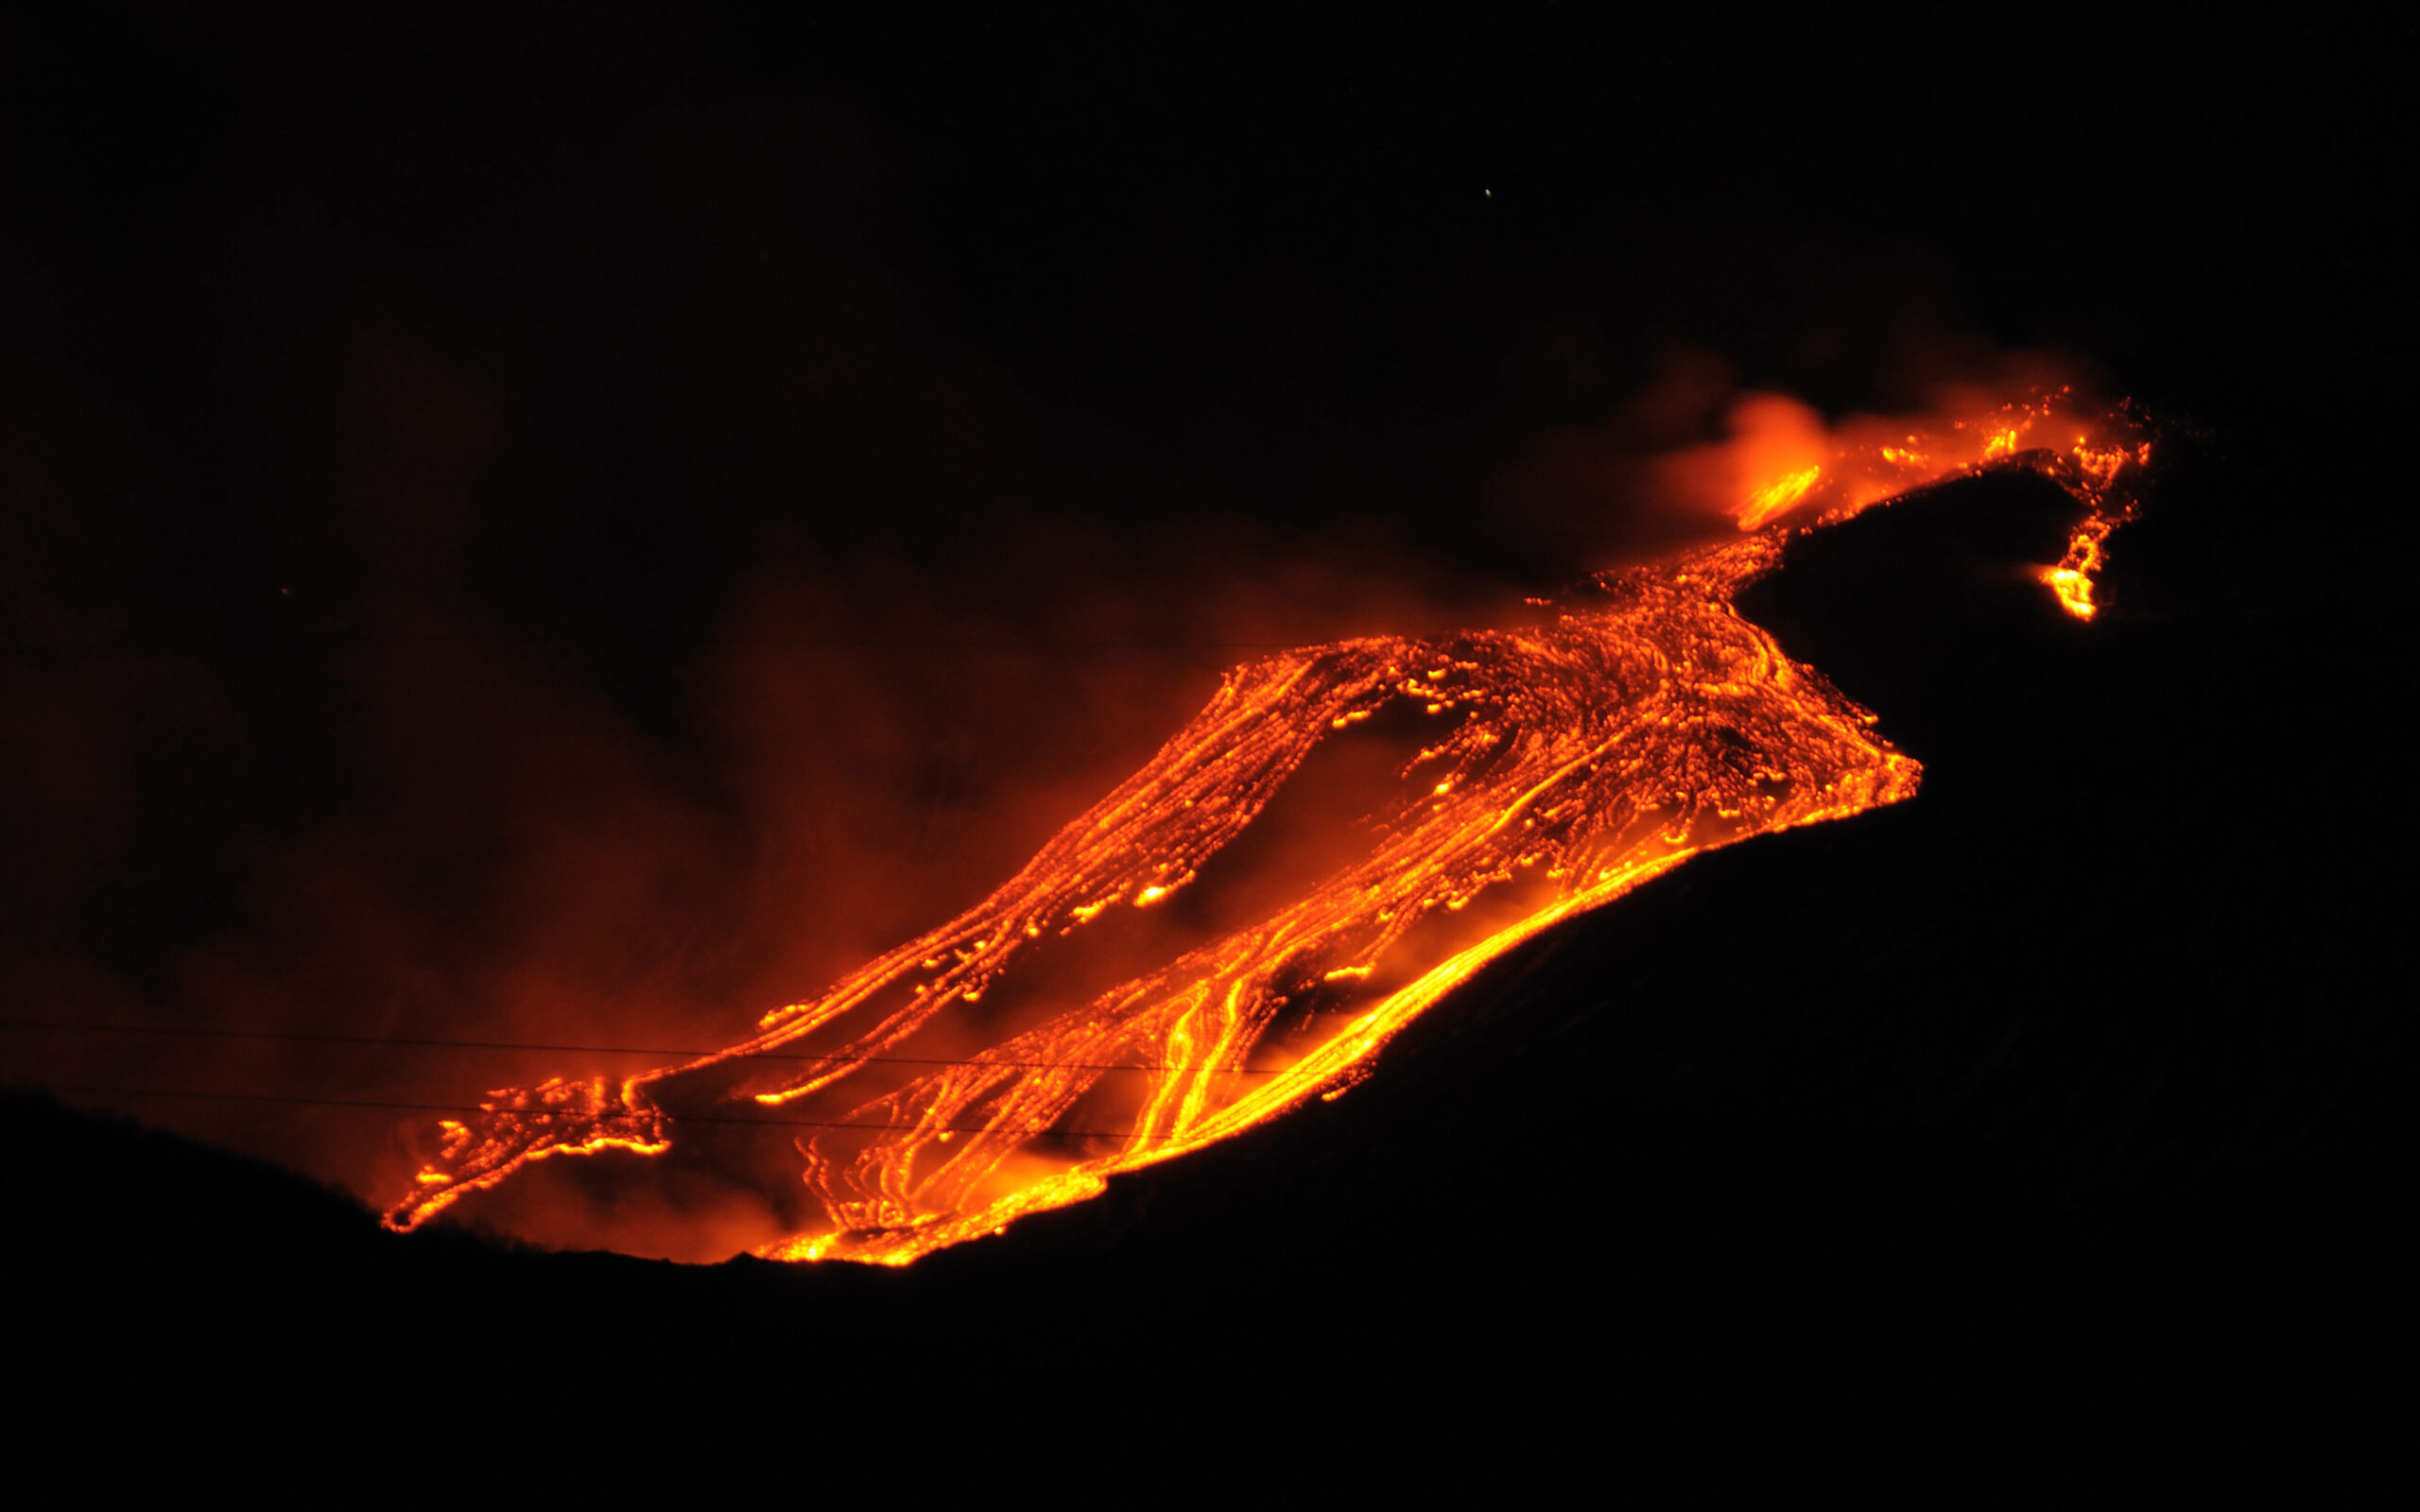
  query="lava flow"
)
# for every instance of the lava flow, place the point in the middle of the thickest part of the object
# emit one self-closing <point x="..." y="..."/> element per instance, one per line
<point x="1570" y="763"/>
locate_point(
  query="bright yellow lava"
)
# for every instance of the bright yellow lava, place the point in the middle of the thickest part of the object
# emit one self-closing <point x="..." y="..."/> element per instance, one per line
<point x="1778" y="498"/>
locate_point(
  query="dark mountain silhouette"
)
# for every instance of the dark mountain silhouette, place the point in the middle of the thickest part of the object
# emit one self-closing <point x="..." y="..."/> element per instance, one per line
<point x="2061" y="1093"/>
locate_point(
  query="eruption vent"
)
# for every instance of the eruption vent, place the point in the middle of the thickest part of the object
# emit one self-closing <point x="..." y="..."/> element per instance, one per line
<point x="1568" y="765"/>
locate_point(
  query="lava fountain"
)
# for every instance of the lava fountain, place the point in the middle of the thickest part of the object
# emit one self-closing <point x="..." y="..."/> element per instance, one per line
<point x="1566" y="763"/>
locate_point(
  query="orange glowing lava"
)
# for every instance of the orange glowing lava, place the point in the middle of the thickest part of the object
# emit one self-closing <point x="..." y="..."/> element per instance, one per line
<point x="1570" y="763"/>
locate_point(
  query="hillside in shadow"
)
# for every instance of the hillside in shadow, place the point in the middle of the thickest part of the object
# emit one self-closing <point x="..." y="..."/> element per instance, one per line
<point x="2075" y="1042"/>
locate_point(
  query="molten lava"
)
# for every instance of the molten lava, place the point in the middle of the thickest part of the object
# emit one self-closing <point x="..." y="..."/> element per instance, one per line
<point x="1570" y="763"/>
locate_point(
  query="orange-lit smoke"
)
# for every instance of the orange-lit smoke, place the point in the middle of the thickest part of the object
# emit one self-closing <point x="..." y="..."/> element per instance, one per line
<point x="870" y="740"/>
<point x="1782" y="461"/>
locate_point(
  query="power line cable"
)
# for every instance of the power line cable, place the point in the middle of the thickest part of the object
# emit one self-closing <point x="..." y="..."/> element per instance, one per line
<point x="538" y="1113"/>
<point x="65" y="650"/>
<point x="301" y="1038"/>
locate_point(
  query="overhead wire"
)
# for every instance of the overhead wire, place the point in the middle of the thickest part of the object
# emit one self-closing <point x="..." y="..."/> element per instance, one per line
<point x="385" y="1105"/>
<point x="388" y="1106"/>
<point x="300" y="1037"/>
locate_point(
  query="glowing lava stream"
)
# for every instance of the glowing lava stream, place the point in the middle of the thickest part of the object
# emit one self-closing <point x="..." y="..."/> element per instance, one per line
<point x="1588" y="756"/>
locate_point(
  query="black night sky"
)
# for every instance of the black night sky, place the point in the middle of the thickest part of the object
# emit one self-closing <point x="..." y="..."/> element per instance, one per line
<point x="596" y="522"/>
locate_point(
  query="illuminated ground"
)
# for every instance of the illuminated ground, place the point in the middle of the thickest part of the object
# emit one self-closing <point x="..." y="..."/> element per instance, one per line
<point x="1932" y="1081"/>
<point x="397" y="421"/>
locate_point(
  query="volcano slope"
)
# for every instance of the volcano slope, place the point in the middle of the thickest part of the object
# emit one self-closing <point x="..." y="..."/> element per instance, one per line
<point x="2047" y="1048"/>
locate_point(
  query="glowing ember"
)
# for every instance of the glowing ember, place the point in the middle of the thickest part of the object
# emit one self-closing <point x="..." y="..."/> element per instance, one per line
<point x="1570" y="763"/>
<point x="1778" y="498"/>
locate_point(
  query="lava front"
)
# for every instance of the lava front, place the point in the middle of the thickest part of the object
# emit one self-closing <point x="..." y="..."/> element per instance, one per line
<point x="1564" y="764"/>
